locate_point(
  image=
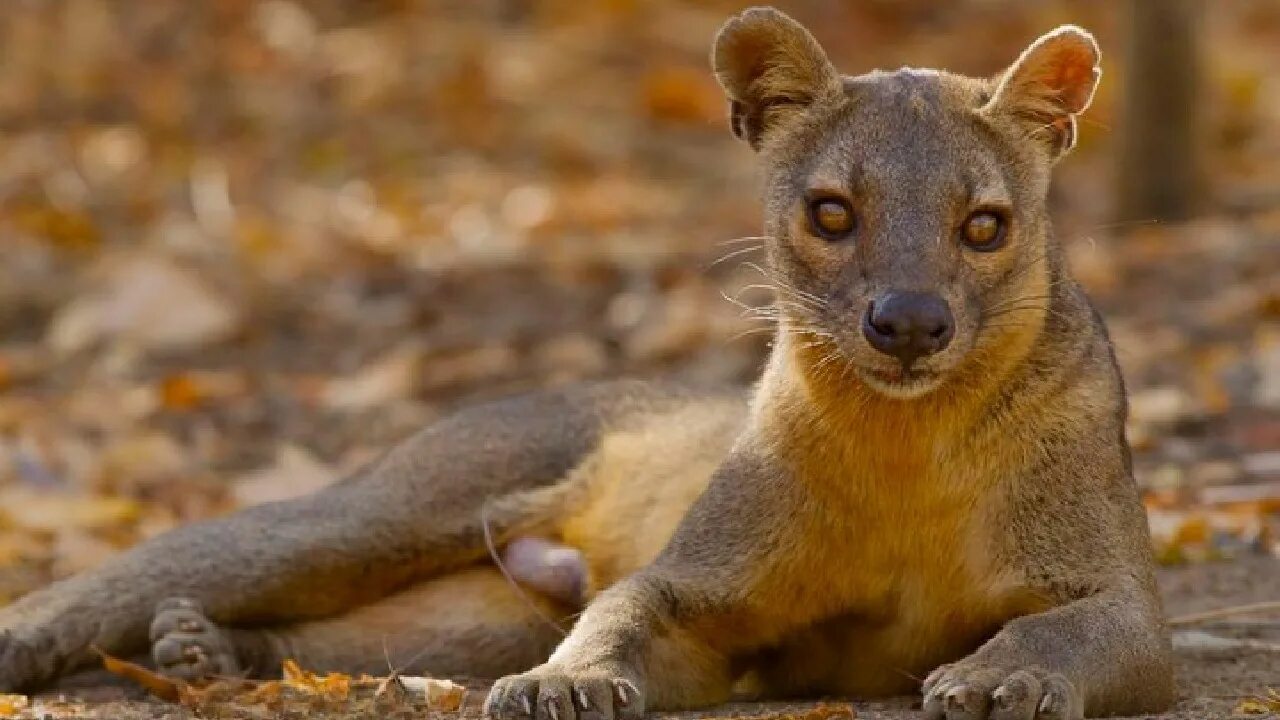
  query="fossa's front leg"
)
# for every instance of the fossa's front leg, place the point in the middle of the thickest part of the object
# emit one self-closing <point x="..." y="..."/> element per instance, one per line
<point x="1104" y="650"/>
<point x="663" y="638"/>
<point x="1093" y="657"/>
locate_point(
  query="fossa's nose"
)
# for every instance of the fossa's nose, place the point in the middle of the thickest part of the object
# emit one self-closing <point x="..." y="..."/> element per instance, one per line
<point x="908" y="324"/>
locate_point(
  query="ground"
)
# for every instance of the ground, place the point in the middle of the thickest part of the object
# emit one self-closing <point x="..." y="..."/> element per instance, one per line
<point x="1210" y="683"/>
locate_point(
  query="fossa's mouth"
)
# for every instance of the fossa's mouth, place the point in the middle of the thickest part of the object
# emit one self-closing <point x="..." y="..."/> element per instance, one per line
<point x="900" y="382"/>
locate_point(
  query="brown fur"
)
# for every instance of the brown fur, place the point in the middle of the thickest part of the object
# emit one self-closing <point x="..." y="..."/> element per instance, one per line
<point x="852" y="527"/>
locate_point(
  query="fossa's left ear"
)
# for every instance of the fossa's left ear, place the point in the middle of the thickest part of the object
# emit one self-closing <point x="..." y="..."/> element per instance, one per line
<point x="1049" y="84"/>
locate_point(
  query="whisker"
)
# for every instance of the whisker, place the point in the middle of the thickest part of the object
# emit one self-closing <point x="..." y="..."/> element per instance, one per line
<point x="798" y="299"/>
<point x="751" y="331"/>
<point x="739" y="303"/>
<point x="782" y="283"/>
<point x="733" y="254"/>
<point x="745" y="238"/>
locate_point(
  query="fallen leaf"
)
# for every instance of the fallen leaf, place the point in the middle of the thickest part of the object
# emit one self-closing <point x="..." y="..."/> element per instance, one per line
<point x="825" y="711"/>
<point x="390" y="691"/>
<point x="158" y="685"/>
<point x="334" y="686"/>
<point x="267" y="693"/>
<point x="1259" y="705"/>
<point x="13" y="704"/>
<point x="394" y="376"/>
<point x="295" y="472"/>
<point x="193" y="389"/>
<point x="55" y="511"/>
<point x="821" y="711"/>
<point x="151" y="302"/>
<point x="443" y="695"/>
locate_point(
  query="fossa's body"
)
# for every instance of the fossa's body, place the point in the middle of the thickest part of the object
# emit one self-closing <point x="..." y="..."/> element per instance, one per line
<point x="930" y="479"/>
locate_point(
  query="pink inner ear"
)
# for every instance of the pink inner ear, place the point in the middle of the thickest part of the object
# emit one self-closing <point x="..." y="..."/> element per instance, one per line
<point x="1065" y="64"/>
<point x="1070" y="73"/>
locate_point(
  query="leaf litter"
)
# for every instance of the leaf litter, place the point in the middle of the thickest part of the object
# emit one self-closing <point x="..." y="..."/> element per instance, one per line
<point x="298" y="690"/>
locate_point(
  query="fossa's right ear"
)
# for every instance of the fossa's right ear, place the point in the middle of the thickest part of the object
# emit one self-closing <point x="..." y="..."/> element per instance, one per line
<point x="772" y="69"/>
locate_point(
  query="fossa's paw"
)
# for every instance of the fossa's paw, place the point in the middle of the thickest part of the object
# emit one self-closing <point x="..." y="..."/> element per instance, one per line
<point x="976" y="691"/>
<point x="21" y="656"/>
<point x="552" y="693"/>
<point x="186" y="645"/>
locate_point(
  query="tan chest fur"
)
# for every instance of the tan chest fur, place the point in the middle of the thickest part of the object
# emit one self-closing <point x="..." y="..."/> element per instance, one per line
<point x="898" y="576"/>
<point x="888" y="565"/>
<point x="897" y="562"/>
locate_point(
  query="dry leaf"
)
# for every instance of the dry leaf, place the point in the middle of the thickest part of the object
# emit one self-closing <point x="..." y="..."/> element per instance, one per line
<point x="13" y="704"/>
<point x="158" y="685"/>
<point x="443" y="695"/>
<point x="394" y="376"/>
<point x="296" y="472"/>
<point x="1268" y="705"/>
<point x="190" y="390"/>
<point x="821" y="711"/>
<point x="334" y="686"/>
<point x="389" y="691"/>
<point x="151" y="302"/>
<point x="52" y="512"/>
<point x="826" y="711"/>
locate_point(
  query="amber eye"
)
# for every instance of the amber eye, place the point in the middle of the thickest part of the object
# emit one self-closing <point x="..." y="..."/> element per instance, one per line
<point x="984" y="231"/>
<point x="831" y="218"/>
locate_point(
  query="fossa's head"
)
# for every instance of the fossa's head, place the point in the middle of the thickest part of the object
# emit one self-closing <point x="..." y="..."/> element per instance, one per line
<point x="906" y="210"/>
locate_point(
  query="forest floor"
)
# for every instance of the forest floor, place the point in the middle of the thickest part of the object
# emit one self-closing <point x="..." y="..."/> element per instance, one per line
<point x="1212" y="683"/>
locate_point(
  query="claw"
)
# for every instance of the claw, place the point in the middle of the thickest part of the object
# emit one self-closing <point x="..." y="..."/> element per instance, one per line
<point x="528" y="706"/>
<point x="584" y="702"/>
<point x="624" y="690"/>
<point x="553" y="708"/>
<point x="1003" y="698"/>
<point x="934" y="678"/>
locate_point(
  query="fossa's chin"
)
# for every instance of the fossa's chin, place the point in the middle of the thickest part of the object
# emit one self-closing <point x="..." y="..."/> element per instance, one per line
<point x="901" y="385"/>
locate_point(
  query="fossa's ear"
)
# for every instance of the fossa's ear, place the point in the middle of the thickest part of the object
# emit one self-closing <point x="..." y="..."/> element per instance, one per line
<point x="772" y="69"/>
<point x="1050" y="83"/>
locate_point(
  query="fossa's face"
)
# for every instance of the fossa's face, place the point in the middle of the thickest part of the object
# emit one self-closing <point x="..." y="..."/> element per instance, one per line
<point x="909" y="231"/>
<point x="906" y="210"/>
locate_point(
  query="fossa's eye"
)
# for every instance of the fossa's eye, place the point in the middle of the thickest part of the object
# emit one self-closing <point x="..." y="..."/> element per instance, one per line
<point x="984" y="231"/>
<point x="831" y="218"/>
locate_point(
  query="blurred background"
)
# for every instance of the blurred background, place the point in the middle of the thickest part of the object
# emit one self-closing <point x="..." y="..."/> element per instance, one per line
<point x="248" y="244"/>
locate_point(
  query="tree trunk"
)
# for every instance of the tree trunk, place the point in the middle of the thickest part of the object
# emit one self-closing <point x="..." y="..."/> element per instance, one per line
<point x="1160" y="170"/>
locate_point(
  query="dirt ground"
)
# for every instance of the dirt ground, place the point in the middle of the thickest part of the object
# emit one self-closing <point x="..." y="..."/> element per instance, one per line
<point x="1211" y="682"/>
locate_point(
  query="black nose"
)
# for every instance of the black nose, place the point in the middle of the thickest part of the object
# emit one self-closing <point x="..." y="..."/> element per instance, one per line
<point x="908" y="325"/>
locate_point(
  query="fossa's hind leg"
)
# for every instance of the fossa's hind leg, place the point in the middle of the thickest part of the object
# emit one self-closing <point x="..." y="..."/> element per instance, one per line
<point x="471" y="623"/>
<point x="419" y="512"/>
